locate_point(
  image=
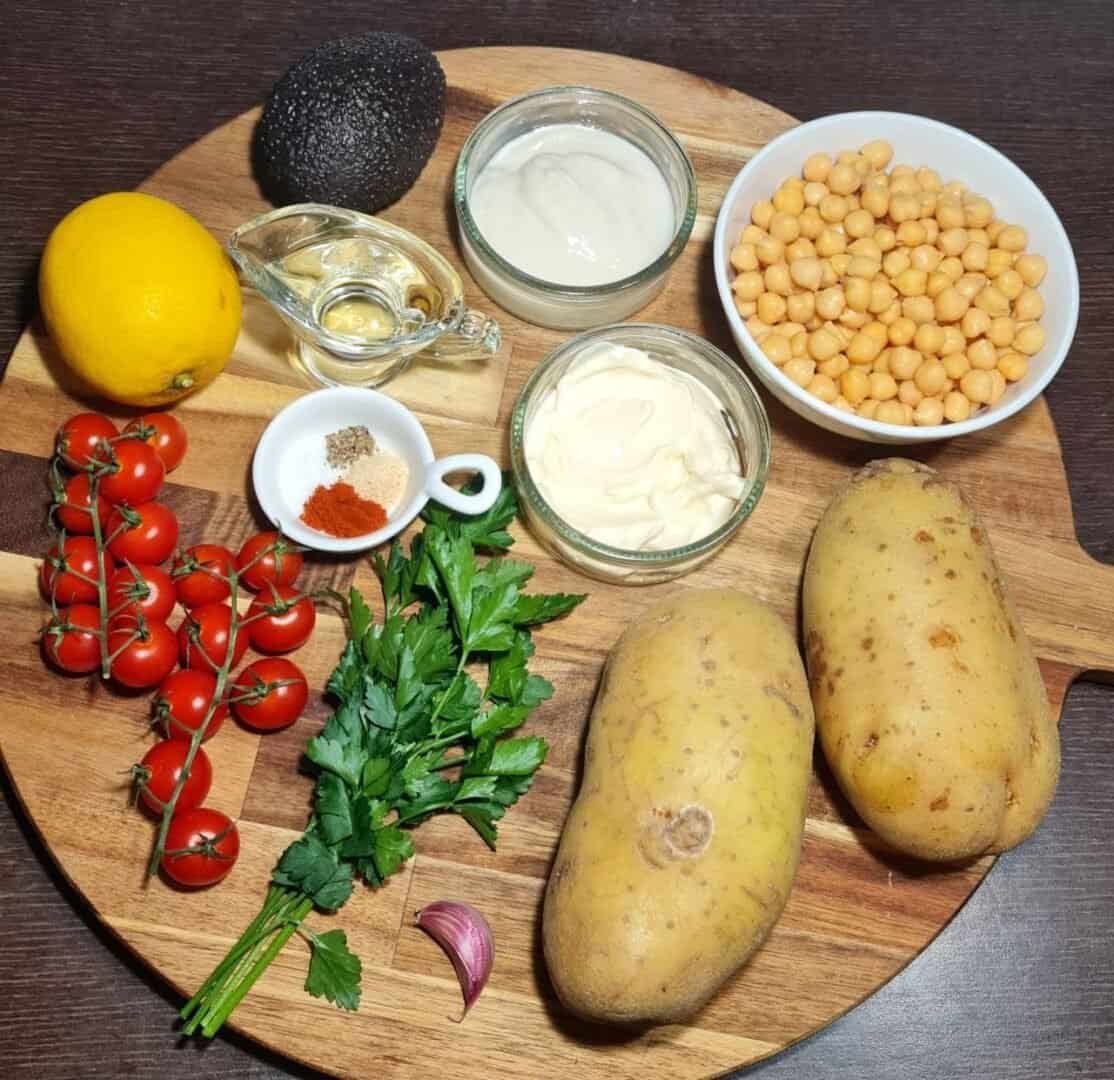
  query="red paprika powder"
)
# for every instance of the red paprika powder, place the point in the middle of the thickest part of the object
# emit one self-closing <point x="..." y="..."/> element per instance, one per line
<point x="339" y="511"/>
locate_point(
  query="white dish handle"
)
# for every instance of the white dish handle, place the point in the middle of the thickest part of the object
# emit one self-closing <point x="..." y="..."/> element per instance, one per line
<point x="484" y="499"/>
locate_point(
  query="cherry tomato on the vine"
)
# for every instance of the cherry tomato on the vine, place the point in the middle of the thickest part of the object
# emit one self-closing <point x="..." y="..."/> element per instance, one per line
<point x="70" y="640"/>
<point x="285" y="622"/>
<point x="277" y="561"/>
<point x="142" y="651"/>
<point x="141" y="587"/>
<point x="135" y="475"/>
<point x="269" y="694"/>
<point x="183" y="703"/>
<point x="165" y="435"/>
<point x="59" y="577"/>
<point x="159" y="771"/>
<point x="204" y="633"/>
<point x="201" y="847"/>
<point x="151" y="539"/>
<point x="201" y="573"/>
<point x="80" y="437"/>
<point x="71" y="511"/>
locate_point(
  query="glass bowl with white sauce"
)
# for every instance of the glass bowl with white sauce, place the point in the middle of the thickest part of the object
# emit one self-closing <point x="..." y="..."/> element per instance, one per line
<point x="573" y="203"/>
<point x="638" y="450"/>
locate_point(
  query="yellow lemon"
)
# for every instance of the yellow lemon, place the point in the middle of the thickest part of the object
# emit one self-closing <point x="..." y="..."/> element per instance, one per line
<point x="141" y="301"/>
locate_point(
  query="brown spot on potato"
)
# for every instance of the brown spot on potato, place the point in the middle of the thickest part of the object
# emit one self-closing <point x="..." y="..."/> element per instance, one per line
<point x="883" y="546"/>
<point x="869" y="743"/>
<point x="943" y="637"/>
<point x="939" y="803"/>
<point x="923" y="536"/>
<point x="867" y="644"/>
<point x="708" y="665"/>
<point x="978" y="535"/>
<point x="670" y="924"/>
<point x="950" y="575"/>
<point x="776" y="692"/>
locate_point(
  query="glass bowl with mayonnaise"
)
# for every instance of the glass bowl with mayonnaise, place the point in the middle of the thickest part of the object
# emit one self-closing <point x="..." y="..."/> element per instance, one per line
<point x="637" y="451"/>
<point x="573" y="204"/>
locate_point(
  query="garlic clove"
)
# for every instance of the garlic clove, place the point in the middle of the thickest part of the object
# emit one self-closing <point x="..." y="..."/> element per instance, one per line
<point x="466" y="938"/>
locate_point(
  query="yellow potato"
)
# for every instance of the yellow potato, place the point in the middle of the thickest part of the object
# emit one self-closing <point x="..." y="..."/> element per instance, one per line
<point x="679" y="852"/>
<point x="929" y="704"/>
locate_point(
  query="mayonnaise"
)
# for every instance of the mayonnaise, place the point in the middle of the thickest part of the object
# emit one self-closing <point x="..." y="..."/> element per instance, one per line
<point x="573" y="205"/>
<point x="633" y="453"/>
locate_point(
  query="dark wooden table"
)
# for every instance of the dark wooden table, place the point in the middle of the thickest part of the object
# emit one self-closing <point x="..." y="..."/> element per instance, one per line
<point x="95" y="95"/>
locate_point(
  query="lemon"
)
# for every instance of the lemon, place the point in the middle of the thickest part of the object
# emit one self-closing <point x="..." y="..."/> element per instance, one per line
<point x="140" y="300"/>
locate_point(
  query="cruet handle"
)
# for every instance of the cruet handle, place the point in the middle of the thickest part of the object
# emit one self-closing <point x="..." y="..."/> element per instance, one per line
<point x="476" y="335"/>
<point x="484" y="499"/>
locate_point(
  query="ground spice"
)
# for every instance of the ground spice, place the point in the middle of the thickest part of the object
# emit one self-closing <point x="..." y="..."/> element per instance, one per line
<point x="345" y="446"/>
<point x="339" y="511"/>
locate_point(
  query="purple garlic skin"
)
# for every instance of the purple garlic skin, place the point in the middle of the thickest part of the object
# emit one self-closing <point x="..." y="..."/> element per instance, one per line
<point x="466" y="938"/>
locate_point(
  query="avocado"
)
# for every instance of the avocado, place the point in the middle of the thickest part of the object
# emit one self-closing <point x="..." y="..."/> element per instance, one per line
<point x="351" y="124"/>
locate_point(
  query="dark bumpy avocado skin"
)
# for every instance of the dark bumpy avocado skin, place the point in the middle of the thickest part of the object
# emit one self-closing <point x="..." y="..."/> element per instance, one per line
<point x="351" y="124"/>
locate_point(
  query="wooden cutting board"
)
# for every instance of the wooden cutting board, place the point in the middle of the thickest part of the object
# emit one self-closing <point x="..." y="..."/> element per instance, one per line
<point x="857" y="914"/>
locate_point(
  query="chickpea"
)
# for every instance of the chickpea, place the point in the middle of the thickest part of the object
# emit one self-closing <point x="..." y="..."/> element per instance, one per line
<point x="805" y="272"/>
<point x="828" y="275"/>
<point x="977" y="386"/>
<point x="969" y="284"/>
<point x="931" y="229"/>
<point x="1013" y="366"/>
<point x="911" y="282"/>
<point x="859" y="223"/>
<point x="854" y="385"/>
<point x="882" y="363"/>
<point x="951" y="266"/>
<point x="999" y="386"/>
<point x="924" y="256"/>
<point x="902" y="331"/>
<point x="798" y="344"/>
<point x="978" y="213"/>
<point x="896" y="262"/>
<point x="789" y="200"/>
<point x="954" y="340"/>
<point x="904" y="362"/>
<point x="776" y="347"/>
<point x="1028" y="306"/>
<point x="929" y="179"/>
<point x="991" y="300"/>
<point x="830" y="303"/>
<point x="867" y="409"/>
<point x="1001" y="331"/>
<point x="903" y="207"/>
<point x="842" y="333"/>
<point x="994" y="228"/>
<point x="882" y="295"/>
<point x="974" y="256"/>
<point x="975" y="323"/>
<point x="771" y="308"/>
<point x="863" y="348"/>
<point x="761" y="212"/>
<point x="861" y="267"/>
<point x="831" y="242"/>
<point x="757" y="328"/>
<point x="998" y="262"/>
<point x="956" y="365"/>
<point x="936" y="284"/>
<point x="801" y="248"/>
<point x="853" y="203"/>
<point x="892" y="313"/>
<point x="918" y="308"/>
<point x="817" y="167"/>
<point x="949" y="212"/>
<point x="982" y="355"/>
<point x="823" y="344"/>
<point x="875" y="201"/>
<point x="1029" y="339"/>
<point x="978" y="236"/>
<point x="812" y="224"/>
<point x="1013" y="238"/>
<point x="752" y="234"/>
<point x="930" y="377"/>
<point x="853" y="320"/>
<point x="814" y="323"/>
<point x="784" y="227"/>
<point x="910" y="234"/>
<point x="908" y="393"/>
<point x="885" y="238"/>
<point x="952" y="241"/>
<point x="746" y="308"/>
<point x="866" y="247"/>
<point x="800" y="307"/>
<point x="823" y="387"/>
<point x="793" y="182"/>
<point x="929" y="412"/>
<point x="905" y="184"/>
<point x="800" y="370"/>
<point x="877" y="331"/>
<point x="956" y="406"/>
<point x="878" y="152"/>
<point x="813" y="192"/>
<point x="882" y="386"/>
<point x="777" y="279"/>
<point x="1009" y="284"/>
<point x="890" y="412"/>
<point x="834" y="366"/>
<point x="833" y="208"/>
<point x="1032" y="269"/>
<point x="844" y="179"/>
<point x="769" y="251"/>
<point x="788" y="329"/>
<point x="954" y="188"/>
<point x="857" y="294"/>
<point x="902" y="170"/>
<point x="743" y="258"/>
<point x="929" y="339"/>
<point x="748" y="285"/>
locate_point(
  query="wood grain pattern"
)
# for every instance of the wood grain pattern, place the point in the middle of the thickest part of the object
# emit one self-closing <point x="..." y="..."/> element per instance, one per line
<point x="841" y="878"/>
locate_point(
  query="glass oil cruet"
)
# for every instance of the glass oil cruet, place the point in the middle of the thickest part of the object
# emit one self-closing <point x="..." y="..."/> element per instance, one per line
<point x="362" y="297"/>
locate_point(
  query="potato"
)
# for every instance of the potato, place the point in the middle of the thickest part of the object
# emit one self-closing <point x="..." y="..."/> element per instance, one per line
<point x="929" y="703"/>
<point x="679" y="852"/>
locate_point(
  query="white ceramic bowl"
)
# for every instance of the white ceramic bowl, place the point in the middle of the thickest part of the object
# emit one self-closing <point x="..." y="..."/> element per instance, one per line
<point x="289" y="463"/>
<point x="956" y="156"/>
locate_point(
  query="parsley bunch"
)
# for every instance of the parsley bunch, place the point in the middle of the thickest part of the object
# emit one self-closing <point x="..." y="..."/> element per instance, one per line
<point x="413" y="735"/>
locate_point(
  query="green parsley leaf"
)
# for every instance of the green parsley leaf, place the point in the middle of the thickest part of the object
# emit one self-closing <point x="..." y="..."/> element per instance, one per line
<point x="489" y="627"/>
<point x="498" y="719"/>
<point x="346" y="675"/>
<point x="367" y="817"/>
<point x="536" y="691"/>
<point x="359" y="617"/>
<point x="392" y="848"/>
<point x="345" y="759"/>
<point x="506" y="678"/>
<point x="334" y="970"/>
<point x="331" y="803"/>
<point x="378" y="706"/>
<point x="456" y="565"/>
<point x="312" y="868"/>
<point x="518" y="757"/>
<point x="531" y="610"/>
<point x="375" y="777"/>
<point x="497" y="572"/>
<point x="481" y="821"/>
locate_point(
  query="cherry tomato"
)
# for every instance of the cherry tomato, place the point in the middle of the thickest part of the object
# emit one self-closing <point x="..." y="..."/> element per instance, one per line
<point x="58" y="577"/>
<point x="153" y="537"/>
<point x="203" y="586"/>
<point x="183" y="703"/>
<point x="278" y="566"/>
<point x="143" y="651"/>
<point x="159" y="771"/>
<point x="216" y="839"/>
<point x="143" y="588"/>
<point x="284" y="623"/>
<point x="262" y="704"/>
<point x="165" y="435"/>
<point x="71" y="511"/>
<point x="79" y="437"/>
<point x="136" y="473"/>
<point x="70" y="640"/>
<point x="209" y="625"/>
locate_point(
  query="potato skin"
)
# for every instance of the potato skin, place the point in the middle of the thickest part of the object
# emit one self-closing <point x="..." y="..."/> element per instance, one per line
<point x="929" y="703"/>
<point x="678" y="855"/>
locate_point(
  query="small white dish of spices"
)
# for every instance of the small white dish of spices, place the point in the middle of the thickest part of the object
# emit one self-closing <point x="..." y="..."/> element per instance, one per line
<point x="346" y="469"/>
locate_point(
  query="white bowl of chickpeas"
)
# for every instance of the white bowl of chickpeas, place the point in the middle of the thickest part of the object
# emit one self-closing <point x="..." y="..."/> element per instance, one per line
<point x="894" y="279"/>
